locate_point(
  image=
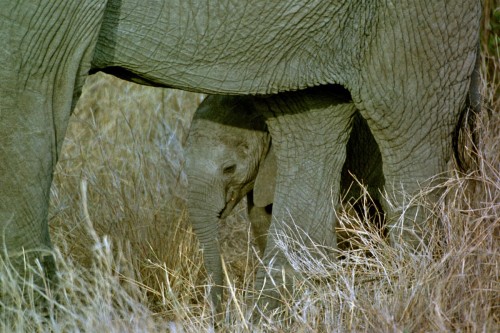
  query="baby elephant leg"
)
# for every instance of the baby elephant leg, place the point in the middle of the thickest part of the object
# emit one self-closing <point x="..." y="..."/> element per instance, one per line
<point x="260" y="220"/>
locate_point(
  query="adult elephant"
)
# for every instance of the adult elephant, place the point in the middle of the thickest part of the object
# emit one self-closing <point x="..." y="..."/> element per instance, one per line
<point x="408" y="67"/>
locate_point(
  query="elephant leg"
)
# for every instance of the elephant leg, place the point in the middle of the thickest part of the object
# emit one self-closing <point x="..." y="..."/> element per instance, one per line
<point x="414" y="150"/>
<point x="28" y="154"/>
<point x="414" y="135"/>
<point x="25" y="178"/>
<point x="309" y="130"/>
<point x="412" y="97"/>
<point x="43" y="66"/>
<point x="409" y="165"/>
<point x="260" y="220"/>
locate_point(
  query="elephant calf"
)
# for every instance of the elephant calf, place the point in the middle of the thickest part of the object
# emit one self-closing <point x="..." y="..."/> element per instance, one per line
<point x="229" y="155"/>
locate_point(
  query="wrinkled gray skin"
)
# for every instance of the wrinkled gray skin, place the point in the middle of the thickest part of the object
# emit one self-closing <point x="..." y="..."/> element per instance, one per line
<point x="408" y="66"/>
<point x="228" y="156"/>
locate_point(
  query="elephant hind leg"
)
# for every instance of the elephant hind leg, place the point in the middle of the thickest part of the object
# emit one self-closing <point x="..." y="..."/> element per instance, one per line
<point x="411" y="160"/>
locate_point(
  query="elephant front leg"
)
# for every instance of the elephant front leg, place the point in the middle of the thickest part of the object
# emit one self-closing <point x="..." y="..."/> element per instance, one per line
<point x="27" y="158"/>
<point x="309" y="130"/>
<point x="45" y="57"/>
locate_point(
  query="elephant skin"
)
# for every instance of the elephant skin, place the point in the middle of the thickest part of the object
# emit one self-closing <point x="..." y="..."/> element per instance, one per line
<point x="409" y="68"/>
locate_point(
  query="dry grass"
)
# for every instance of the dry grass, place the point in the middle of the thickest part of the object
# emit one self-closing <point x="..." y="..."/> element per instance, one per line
<point x="128" y="261"/>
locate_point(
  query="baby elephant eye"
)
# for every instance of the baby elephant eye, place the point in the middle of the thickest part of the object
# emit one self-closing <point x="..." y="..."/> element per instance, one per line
<point x="229" y="170"/>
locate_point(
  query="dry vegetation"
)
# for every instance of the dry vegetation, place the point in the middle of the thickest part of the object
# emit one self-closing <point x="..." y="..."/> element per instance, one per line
<point x="128" y="261"/>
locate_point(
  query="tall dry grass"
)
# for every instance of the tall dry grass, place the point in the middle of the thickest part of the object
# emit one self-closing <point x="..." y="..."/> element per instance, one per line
<point x="129" y="262"/>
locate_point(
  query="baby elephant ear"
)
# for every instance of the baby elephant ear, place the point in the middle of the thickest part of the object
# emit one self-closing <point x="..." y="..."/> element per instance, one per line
<point x="265" y="183"/>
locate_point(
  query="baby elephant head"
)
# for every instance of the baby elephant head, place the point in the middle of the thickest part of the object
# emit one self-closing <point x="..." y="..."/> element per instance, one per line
<point x="227" y="144"/>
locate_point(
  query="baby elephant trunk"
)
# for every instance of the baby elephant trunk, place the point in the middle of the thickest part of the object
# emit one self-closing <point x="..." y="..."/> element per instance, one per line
<point x="205" y="205"/>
